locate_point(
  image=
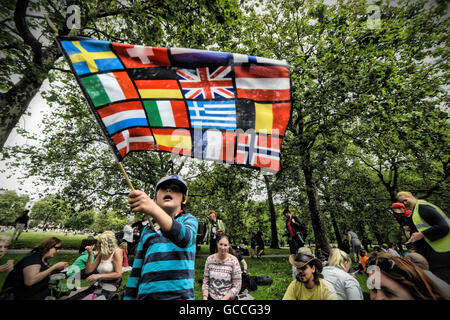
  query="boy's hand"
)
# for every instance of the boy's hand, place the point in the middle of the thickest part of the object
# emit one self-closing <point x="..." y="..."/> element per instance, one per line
<point x="140" y="202"/>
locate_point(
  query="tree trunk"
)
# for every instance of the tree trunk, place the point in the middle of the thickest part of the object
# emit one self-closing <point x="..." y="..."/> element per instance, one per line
<point x="311" y="190"/>
<point x="273" y="216"/>
<point x="363" y="236"/>
<point x="378" y="236"/>
<point x="16" y="100"/>
<point x="334" y="222"/>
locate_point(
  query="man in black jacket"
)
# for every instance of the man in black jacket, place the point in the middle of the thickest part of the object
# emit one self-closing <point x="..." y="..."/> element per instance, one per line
<point x="296" y="231"/>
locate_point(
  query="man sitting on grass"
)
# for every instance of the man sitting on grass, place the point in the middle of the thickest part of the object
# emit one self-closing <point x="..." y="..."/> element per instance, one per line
<point x="309" y="283"/>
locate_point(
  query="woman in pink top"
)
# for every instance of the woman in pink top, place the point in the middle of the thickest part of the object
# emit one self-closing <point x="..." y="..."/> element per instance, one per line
<point x="222" y="275"/>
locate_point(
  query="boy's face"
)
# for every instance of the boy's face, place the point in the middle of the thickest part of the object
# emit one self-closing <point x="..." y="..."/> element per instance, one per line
<point x="170" y="197"/>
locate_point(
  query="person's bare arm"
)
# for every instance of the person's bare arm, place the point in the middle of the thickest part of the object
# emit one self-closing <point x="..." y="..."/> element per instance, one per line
<point x="33" y="275"/>
<point x="117" y="261"/>
<point x="91" y="265"/>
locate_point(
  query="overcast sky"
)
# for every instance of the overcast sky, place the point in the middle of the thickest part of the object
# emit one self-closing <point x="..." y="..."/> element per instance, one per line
<point x="38" y="107"/>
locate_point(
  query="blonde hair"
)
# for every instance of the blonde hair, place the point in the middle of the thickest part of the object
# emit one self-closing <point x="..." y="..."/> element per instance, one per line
<point x="405" y="194"/>
<point x="124" y="246"/>
<point x="108" y="243"/>
<point x="338" y="258"/>
<point x="5" y="238"/>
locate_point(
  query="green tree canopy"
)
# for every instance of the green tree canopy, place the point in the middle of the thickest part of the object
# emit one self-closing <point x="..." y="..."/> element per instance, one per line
<point x="12" y="206"/>
<point x="50" y="211"/>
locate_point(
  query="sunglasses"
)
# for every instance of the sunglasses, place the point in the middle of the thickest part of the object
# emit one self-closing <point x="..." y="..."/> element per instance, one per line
<point x="57" y="248"/>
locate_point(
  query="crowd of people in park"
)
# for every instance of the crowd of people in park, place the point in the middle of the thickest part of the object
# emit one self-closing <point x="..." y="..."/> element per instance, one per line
<point x="162" y="251"/>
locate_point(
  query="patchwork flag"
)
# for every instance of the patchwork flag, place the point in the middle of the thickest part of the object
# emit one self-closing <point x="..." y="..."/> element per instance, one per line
<point x="265" y="118"/>
<point x="182" y="57"/>
<point x="212" y="114"/>
<point x="258" y="150"/>
<point x="262" y="83"/>
<point x="89" y="56"/>
<point x="122" y="116"/>
<point x="166" y="113"/>
<point x="156" y="83"/>
<point x="226" y="107"/>
<point x="173" y="140"/>
<point x="243" y="58"/>
<point x="105" y="88"/>
<point x="214" y="145"/>
<point x="206" y="83"/>
<point x="134" y="139"/>
<point x="141" y="57"/>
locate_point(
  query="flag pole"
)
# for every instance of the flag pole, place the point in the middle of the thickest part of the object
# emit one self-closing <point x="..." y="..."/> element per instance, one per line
<point x="130" y="185"/>
<point x="125" y="175"/>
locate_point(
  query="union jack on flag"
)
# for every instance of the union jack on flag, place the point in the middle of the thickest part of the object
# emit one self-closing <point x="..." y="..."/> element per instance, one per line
<point x="207" y="83"/>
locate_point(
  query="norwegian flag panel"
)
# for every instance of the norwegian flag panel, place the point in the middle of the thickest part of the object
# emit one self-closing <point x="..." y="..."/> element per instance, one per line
<point x="258" y="150"/>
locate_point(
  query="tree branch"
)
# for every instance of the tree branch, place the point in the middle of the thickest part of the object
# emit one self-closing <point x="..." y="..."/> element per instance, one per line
<point x="62" y="70"/>
<point x="24" y="32"/>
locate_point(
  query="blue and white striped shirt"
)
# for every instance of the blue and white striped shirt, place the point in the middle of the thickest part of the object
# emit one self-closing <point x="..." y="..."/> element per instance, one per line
<point x="165" y="271"/>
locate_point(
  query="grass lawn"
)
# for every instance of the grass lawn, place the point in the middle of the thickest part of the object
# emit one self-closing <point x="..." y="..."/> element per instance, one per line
<point x="277" y="268"/>
<point x="28" y="240"/>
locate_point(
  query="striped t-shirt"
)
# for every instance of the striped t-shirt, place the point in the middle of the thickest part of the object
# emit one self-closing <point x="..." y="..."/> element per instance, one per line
<point x="163" y="268"/>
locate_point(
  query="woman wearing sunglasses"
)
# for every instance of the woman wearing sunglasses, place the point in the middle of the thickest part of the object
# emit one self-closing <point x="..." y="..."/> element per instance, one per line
<point x="30" y="276"/>
<point x="392" y="278"/>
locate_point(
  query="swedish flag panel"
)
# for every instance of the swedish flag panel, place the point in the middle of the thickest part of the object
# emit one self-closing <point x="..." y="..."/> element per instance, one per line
<point x="89" y="56"/>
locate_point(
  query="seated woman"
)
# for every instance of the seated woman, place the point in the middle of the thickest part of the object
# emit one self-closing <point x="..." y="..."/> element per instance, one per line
<point x="222" y="275"/>
<point x="4" y="245"/>
<point x="108" y="264"/>
<point x="336" y="273"/>
<point x="79" y="265"/>
<point x="30" y="276"/>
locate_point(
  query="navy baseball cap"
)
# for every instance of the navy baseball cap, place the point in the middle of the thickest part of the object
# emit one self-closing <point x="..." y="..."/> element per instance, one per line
<point x="176" y="179"/>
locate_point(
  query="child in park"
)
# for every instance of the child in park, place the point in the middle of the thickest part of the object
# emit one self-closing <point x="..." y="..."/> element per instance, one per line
<point x="163" y="267"/>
